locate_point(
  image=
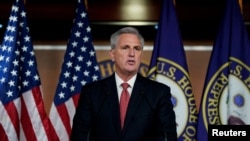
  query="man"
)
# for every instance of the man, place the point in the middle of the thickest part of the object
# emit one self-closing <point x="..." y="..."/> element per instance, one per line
<point x="149" y="115"/>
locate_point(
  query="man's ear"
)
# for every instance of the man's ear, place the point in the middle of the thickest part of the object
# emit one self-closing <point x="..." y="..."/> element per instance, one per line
<point x="112" y="54"/>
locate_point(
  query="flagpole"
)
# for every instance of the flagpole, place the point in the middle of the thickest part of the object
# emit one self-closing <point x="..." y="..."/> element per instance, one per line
<point x="86" y="4"/>
<point x="241" y="5"/>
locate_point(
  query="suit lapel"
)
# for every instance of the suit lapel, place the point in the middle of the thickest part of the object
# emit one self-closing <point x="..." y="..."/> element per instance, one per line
<point x="113" y="101"/>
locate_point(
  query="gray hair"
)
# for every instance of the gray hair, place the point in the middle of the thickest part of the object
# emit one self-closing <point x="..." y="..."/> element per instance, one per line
<point x="130" y="30"/>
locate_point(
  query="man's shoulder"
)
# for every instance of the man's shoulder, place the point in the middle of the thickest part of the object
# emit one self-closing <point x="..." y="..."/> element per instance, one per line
<point x="151" y="82"/>
<point x="101" y="82"/>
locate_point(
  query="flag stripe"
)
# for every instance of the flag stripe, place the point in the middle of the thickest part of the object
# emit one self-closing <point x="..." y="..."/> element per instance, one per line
<point x="5" y="120"/>
<point x="25" y="119"/>
<point x="63" y="113"/>
<point x="75" y="99"/>
<point x="13" y="116"/>
<point x="58" y="124"/>
<point x="3" y="134"/>
<point x="71" y="107"/>
<point x="41" y="115"/>
<point x="66" y="112"/>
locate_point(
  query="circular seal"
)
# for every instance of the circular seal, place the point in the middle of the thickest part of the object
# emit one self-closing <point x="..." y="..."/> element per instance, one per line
<point x="225" y="95"/>
<point x="176" y="77"/>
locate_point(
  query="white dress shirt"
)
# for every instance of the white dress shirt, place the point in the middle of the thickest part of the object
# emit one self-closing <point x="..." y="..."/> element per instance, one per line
<point x="119" y="81"/>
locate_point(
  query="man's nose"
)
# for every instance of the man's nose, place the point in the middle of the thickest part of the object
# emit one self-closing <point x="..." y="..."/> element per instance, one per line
<point x="131" y="52"/>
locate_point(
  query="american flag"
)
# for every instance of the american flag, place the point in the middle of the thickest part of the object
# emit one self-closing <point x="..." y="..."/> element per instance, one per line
<point x="79" y="68"/>
<point x="23" y="117"/>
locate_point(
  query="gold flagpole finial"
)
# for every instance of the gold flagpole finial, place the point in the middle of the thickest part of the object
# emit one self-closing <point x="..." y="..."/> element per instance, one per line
<point x="241" y="5"/>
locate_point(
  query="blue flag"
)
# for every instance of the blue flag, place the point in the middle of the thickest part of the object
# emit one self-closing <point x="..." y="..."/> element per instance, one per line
<point x="226" y="92"/>
<point x="79" y="68"/>
<point x="168" y="65"/>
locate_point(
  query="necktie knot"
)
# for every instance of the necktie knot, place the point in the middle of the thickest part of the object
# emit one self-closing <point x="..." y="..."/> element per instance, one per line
<point x="125" y="85"/>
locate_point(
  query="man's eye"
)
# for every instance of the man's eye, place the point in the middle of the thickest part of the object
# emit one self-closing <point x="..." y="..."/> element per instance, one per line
<point x="138" y="48"/>
<point x="125" y="47"/>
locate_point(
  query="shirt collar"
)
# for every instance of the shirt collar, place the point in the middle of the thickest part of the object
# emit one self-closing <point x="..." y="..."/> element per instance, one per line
<point x="119" y="81"/>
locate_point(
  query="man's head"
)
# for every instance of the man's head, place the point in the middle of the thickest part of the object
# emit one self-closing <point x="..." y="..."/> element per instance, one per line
<point x="126" y="51"/>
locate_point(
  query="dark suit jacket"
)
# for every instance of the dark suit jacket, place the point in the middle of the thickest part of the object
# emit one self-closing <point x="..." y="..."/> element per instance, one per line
<point x="150" y="115"/>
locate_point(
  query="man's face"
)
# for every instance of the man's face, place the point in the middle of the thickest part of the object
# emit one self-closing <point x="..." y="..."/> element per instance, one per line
<point x="127" y="54"/>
